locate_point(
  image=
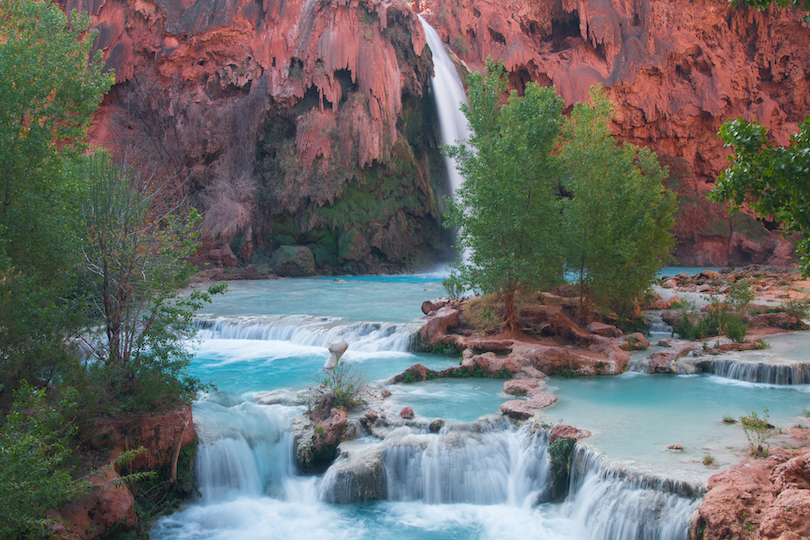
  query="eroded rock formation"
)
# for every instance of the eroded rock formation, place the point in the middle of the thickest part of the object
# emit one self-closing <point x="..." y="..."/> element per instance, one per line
<point x="675" y="70"/>
<point x="289" y="122"/>
<point x="309" y="122"/>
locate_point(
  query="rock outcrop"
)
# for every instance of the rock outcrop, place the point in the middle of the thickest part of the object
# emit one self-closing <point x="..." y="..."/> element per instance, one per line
<point x="758" y="499"/>
<point x="309" y="123"/>
<point x="676" y="71"/>
<point x="298" y="122"/>
<point x="108" y="509"/>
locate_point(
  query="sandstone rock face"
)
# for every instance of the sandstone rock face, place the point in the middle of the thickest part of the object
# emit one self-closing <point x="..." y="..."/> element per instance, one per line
<point x="295" y="122"/>
<point x="159" y="435"/>
<point x="760" y="499"/>
<point x="676" y="71"/>
<point x="106" y="510"/>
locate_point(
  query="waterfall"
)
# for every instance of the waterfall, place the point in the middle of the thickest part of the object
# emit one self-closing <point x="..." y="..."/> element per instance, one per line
<point x="759" y="372"/>
<point x="612" y="504"/>
<point x="311" y="331"/>
<point x="245" y="450"/>
<point x="449" y="94"/>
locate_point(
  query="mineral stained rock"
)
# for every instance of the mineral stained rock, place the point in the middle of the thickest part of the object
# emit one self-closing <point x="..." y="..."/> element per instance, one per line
<point x="288" y="122"/>
<point x="675" y="71"/>
<point x="310" y="122"/>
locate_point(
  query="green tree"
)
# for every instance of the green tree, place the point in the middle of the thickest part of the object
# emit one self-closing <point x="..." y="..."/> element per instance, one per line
<point x="34" y="449"/>
<point x="617" y="213"/>
<point x="507" y="211"/>
<point x="136" y="240"/>
<point x="773" y="180"/>
<point x="48" y="92"/>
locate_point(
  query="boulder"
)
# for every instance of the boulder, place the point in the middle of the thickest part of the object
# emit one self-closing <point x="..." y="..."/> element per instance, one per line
<point x="360" y="477"/>
<point x="293" y="261"/>
<point x="406" y="413"/>
<point x="160" y="436"/>
<point x="562" y="431"/>
<point x="336" y="350"/>
<point x="435" y="329"/>
<point x="661" y="362"/>
<point x="107" y="509"/>
<point x="604" y="330"/>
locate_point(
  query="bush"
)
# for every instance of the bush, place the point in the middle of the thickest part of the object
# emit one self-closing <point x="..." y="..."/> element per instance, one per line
<point x="757" y="430"/>
<point x="736" y="328"/>
<point x="454" y="287"/>
<point x="34" y="454"/>
<point x="340" y="389"/>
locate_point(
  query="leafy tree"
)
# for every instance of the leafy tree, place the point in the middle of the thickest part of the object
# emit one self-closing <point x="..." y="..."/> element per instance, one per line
<point x="773" y="180"/>
<point x="617" y="213"/>
<point x="136" y="242"/>
<point x="48" y="91"/>
<point x="507" y="211"/>
<point x="33" y="454"/>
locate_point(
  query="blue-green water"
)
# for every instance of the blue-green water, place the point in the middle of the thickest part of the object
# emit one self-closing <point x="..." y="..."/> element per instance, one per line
<point x="272" y="335"/>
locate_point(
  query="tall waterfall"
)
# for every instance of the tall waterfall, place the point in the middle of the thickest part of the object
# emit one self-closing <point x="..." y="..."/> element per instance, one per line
<point x="449" y="95"/>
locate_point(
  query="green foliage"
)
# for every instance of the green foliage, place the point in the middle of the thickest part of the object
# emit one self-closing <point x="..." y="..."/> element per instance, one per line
<point x="708" y="460"/>
<point x="617" y="212"/>
<point x="757" y="430"/>
<point x="455" y="288"/>
<point x="736" y="328"/>
<point x="774" y="181"/>
<point x="48" y="92"/>
<point x="560" y="455"/>
<point x="507" y="211"/>
<point x="135" y="242"/>
<point x="340" y="388"/>
<point x="33" y="462"/>
<point x="740" y="295"/>
<point x="763" y="4"/>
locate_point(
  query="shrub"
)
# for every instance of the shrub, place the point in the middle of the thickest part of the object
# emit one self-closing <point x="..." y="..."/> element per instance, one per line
<point x="736" y="328"/>
<point x="739" y="296"/>
<point x="341" y="388"/>
<point x="757" y="430"/>
<point x="33" y="463"/>
<point x="708" y="459"/>
<point x="454" y="287"/>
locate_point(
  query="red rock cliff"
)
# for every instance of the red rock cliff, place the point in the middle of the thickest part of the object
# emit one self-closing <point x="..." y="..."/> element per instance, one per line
<point x="288" y="121"/>
<point x="675" y="70"/>
<point x="308" y="122"/>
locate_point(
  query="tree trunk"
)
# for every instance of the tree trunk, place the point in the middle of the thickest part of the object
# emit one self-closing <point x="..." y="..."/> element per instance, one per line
<point x="511" y="320"/>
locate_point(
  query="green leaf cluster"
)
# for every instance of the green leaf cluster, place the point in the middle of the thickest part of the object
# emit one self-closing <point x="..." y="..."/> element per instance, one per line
<point x="49" y="88"/>
<point x="544" y="196"/>
<point x="773" y="180"/>
<point x="34" y="450"/>
<point x="617" y="215"/>
<point x="135" y="244"/>
<point x="507" y="209"/>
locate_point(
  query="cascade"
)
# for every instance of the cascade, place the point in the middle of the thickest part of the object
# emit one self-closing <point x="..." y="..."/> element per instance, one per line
<point x="449" y="94"/>
<point x="245" y="450"/>
<point x="311" y="331"/>
<point x="613" y="504"/>
<point x="758" y="372"/>
<point x="501" y="466"/>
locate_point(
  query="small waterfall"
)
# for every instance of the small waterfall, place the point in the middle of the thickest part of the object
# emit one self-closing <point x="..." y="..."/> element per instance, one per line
<point x="613" y="504"/>
<point x="760" y="372"/>
<point x="657" y="324"/>
<point x="245" y="450"/>
<point x="311" y="331"/>
<point x="498" y="467"/>
<point x="449" y="94"/>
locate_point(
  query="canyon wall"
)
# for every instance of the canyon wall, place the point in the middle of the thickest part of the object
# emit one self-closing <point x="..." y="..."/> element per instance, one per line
<point x="675" y="70"/>
<point x="288" y="122"/>
<point x="310" y="122"/>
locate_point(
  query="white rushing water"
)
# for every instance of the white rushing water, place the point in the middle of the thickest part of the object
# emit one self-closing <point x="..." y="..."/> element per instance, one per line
<point x="449" y="94"/>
